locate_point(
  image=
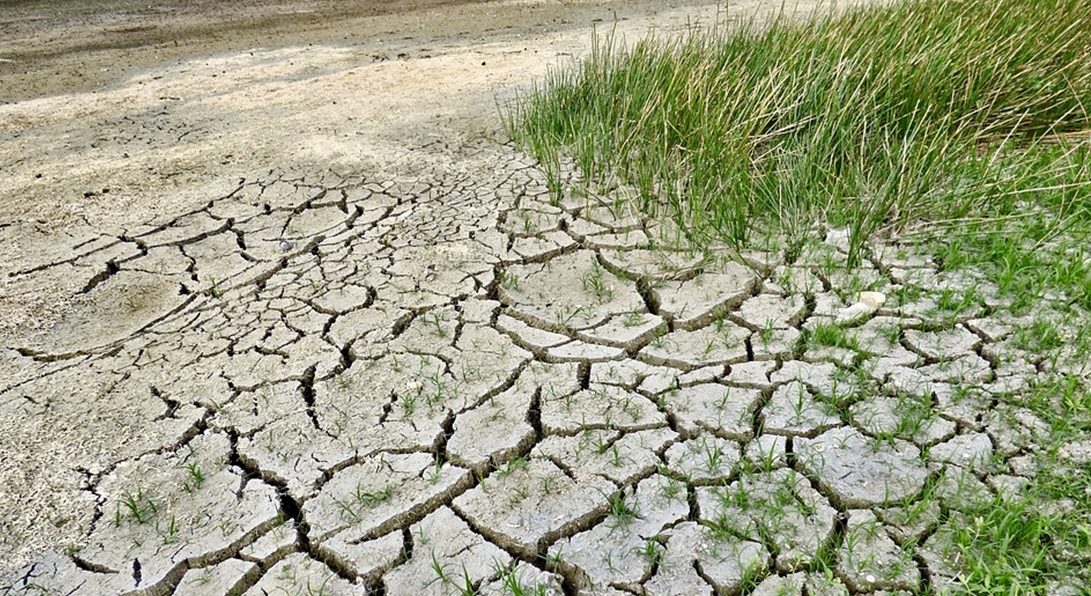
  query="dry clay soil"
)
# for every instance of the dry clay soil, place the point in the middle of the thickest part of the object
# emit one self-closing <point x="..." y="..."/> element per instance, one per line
<point x="115" y="115"/>
<point x="116" y="118"/>
<point x="282" y="311"/>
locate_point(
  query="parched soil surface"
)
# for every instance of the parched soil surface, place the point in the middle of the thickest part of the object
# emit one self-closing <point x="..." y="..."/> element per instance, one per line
<point x="282" y="312"/>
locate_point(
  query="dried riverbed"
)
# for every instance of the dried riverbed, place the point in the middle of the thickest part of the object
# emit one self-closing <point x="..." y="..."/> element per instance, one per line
<point x="295" y="318"/>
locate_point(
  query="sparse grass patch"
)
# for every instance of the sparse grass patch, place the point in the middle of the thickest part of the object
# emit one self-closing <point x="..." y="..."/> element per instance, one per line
<point x="135" y="507"/>
<point x="1034" y="248"/>
<point x="832" y="334"/>
<point x="1018" y="547"/>
<point x="621" y="511"/>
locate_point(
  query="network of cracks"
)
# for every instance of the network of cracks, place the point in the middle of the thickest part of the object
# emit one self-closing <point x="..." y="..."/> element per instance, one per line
<point x="452" y="383"/>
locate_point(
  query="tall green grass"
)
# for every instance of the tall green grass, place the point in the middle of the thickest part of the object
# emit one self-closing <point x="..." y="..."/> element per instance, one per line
<point x="879" y="119"/>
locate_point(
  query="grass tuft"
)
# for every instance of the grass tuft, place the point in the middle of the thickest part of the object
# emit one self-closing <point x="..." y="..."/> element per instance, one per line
<point x="878" y="119"/>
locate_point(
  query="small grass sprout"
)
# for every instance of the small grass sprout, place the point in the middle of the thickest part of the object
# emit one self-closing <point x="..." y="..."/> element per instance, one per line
<point x="195" y="477"/>
<point x="620" y="510"/>
<point x="135" y="507"/>
<point x="595" y="282"/>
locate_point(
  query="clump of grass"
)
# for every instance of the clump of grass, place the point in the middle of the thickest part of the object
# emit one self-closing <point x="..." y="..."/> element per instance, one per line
<point x="1014" y="548"/>
<point x="877" y="119"/>
<point x="1032" y="241"/>
<point x="1027" y="544"/>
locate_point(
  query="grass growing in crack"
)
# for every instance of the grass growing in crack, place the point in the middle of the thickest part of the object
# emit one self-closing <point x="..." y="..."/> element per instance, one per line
<point x="372" y="498"/>
<point x="135" y="507"/>
<point x="633" y="319"/>
<point x="621" y="511"/>
<point x="436" y="321"/>
<point x="440" y="569"/>
<point x="832" y="335"/>
<point x="595" y="282"/>
<point x="289" y="577"/>
<point x="214" y="288"/>
<point x="509" y="579"/>
<point x="713" y="461"/>
<point x="765" y="334"/>
<point x="436" y="471"/>
<point x="343" y="380"/>
<point x="652" y="552"/>
<point x="671" y="489"/>
<point x="875" y="120"/>
<point x="565" y="315"/>
<point x="439" y="389"/>
<point x="169" y="535"/>
<point x="513" y="465"/>
<point x="195" y="477"/>
<point x="363" y="499"/>
<point x="466" y="585"/>
<point x="509" y="281"/>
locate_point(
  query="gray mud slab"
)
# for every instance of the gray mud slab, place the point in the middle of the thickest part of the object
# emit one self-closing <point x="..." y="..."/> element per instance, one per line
<point x="626" y="547"/>
<point x="699" y="562"/>
<point x="858" y="471"/>
<point x="532" y="503"/>
<point x="447" y="556"/>
<point x="290" y="321"/>
<point x="779" y="505"/>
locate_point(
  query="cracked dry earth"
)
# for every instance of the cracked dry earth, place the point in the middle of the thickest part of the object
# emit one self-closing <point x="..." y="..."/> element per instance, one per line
<point x="442" y="382"/>
<point x="446" y="382"/>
